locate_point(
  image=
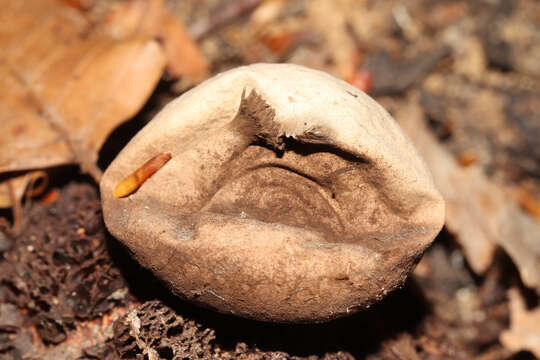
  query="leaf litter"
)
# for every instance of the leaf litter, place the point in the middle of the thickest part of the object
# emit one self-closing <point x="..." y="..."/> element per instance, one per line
<point x="481" y="103"/>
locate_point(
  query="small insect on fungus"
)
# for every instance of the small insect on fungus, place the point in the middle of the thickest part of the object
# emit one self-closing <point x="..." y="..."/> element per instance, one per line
<point x="133" y="181"/>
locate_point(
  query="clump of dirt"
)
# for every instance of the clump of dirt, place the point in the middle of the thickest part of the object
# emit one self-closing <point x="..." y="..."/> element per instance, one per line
<point x="59" y="269"/>
<point x="156" y="328"/>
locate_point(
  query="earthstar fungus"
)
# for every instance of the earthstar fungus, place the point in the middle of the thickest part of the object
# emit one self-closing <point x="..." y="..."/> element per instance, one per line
<point x="290" y="196"/>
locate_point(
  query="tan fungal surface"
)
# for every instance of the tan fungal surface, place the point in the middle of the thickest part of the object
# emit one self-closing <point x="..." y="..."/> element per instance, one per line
<point x="290" y="196"/>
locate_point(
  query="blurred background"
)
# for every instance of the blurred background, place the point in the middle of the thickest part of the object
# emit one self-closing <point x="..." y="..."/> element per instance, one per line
<point x="80" y="77"/>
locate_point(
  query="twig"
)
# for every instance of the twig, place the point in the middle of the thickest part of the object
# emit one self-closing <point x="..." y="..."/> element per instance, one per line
<point x="16" y="209"/>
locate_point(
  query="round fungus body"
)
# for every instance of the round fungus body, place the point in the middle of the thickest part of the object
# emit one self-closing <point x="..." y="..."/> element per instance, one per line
<point x="289" y="196"/>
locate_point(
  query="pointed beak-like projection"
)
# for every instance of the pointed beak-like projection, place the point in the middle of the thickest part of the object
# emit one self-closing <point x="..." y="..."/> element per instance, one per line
<point x="280" y="194"/>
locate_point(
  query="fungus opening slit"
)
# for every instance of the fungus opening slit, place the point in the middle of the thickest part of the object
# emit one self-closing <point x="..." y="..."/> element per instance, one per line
<point x="293" y="186"/>
<point x="301" y="182"/>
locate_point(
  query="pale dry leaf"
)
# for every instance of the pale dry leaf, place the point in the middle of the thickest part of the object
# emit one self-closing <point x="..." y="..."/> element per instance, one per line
<point x="520" y="238"/>
<point x="471" y="61"/>
<point x="266" y="13"/>
<point x="66" y="86"/>
<point x="482" y="214"/>
<point x="524" y="332"/>
<point x="13" y="189"/>
<point x="152" y="18"/>
<point x="469" y="204"/>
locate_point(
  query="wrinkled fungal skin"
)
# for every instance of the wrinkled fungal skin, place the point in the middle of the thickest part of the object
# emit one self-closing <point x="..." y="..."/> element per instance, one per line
<point x="290" y="196"/>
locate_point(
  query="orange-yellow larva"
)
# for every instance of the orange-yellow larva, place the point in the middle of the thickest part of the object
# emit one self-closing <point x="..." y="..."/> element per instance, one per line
<point x="133" y="181"/>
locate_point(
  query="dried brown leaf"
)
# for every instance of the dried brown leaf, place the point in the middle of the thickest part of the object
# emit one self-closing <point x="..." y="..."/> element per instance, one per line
<point x="65" y="86"/>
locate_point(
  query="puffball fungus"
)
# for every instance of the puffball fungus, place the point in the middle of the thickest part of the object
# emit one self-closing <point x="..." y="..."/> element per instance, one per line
<point x="289" y="196"/>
